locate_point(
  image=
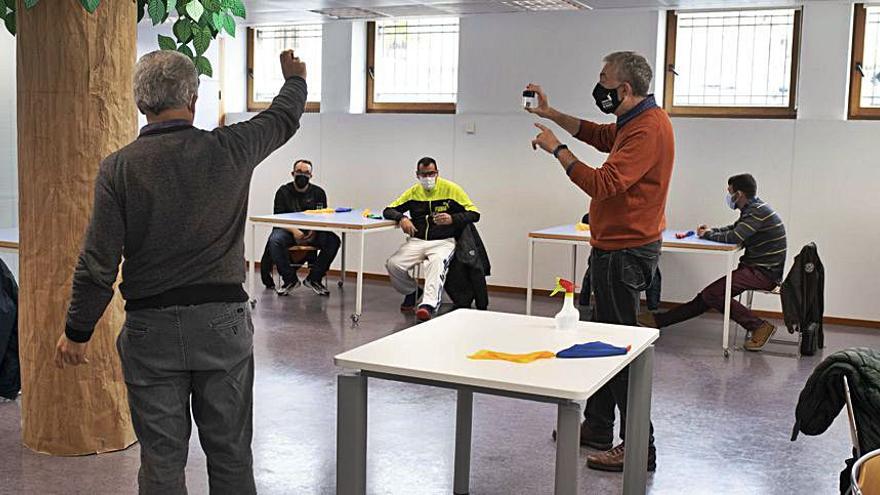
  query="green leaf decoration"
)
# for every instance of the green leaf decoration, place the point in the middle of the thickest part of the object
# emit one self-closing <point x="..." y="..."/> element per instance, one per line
<point x="30" y="3"/>
<point x="227" y="4"/>
<point x="170" y="5"/>
<point x="183" y="30"/>
<point x="156" y="9"/>
<point x="238" y="9"/>
<point x="3" y="14"/>
<point x="90" y="5"/>
<point x="186" y="51"/>
<point x="195" y="10"/>
<point x="10" y="23"/>
<point x="229" y="24"/>
<point x="10" y="4"/>
<point x="217" y="20"/>
<point x="212" y="5"/>
<point x="201" y="39"/>
<point x="203" y="65"/>
<point x="166" y="43"/>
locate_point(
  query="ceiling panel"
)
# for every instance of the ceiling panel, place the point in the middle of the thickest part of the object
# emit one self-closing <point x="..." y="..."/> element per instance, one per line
<point x="279" y="11"/>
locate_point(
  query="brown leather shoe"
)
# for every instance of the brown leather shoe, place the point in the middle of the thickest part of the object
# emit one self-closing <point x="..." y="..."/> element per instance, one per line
<point x="760" y="337"/>
<point x="648" y="320"/>
<point x="613" y="459"/>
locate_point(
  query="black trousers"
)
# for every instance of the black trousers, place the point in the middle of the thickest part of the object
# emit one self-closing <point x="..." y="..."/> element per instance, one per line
<point x="276" y="254"/>
<point x="617" y="278"/>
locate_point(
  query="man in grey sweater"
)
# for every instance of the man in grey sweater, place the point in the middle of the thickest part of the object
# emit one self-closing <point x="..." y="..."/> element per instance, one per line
<point x="173" y="205"/>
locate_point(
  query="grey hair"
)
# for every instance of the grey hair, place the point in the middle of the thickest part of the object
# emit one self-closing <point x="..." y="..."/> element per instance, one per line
<point x="632" y="68"/>
<point x="164" y="79"/>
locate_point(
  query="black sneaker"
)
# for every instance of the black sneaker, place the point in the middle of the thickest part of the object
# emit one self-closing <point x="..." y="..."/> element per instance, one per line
<point x="409" y="302"/>
<point x="426" y="312"/>
<point x="316" y="286"/>
<point x="288" y="287"/>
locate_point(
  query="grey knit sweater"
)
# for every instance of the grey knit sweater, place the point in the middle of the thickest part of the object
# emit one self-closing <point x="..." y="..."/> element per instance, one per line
<point x="172" y="205"/>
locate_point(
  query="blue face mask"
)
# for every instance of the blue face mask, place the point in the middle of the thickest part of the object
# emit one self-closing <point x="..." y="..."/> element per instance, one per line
<point x="729" y="201"/>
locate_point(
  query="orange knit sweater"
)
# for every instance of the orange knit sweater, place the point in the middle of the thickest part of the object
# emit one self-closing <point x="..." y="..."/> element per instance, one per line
<point x="629" y="190"/>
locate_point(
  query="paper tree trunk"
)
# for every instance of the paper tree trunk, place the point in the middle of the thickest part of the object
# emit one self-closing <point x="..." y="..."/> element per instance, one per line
<point x="75" y="106"/>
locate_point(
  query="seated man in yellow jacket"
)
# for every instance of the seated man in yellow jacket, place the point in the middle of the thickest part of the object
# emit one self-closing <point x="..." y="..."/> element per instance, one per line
<point x="438" y="210"/>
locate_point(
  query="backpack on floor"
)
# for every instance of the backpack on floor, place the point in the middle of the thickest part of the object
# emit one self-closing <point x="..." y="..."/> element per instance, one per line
<point x="803" y="299"/>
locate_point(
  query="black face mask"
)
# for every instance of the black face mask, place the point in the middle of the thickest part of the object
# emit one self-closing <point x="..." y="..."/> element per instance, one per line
<point x="301" y="181"/>
<point x="606" y="99"/>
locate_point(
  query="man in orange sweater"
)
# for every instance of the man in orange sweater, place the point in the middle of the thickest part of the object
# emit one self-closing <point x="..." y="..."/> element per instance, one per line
<point x="627" y="216"/>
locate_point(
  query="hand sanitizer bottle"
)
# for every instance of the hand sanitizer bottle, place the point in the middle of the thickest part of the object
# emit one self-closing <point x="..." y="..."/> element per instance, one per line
<point x="569" y="316"/>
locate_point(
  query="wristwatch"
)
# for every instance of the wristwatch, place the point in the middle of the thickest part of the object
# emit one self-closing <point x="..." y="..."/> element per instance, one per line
<point x="559" y="150"/>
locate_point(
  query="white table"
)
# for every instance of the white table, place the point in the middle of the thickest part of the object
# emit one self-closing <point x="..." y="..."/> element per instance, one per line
<point x="9" y="239"/>
<point x="352" y="222"/>
<point x="569" y="235"/>
<point x="451" y="338"/>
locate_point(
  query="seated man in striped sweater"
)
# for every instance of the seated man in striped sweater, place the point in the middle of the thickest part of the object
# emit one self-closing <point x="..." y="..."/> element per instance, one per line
<point x="760" y="230"/>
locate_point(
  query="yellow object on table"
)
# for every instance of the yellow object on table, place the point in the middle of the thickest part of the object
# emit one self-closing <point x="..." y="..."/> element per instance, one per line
<point x="321" y="211"/>
<point x="581" y="227"/>
<point x="514" y="358"/>
<point x="367" y="212"/>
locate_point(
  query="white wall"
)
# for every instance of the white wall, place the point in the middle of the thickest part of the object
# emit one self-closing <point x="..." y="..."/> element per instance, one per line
<point x="8" y="137"/>
<point x="820" y="171"/>
<point x="364" y="160"/>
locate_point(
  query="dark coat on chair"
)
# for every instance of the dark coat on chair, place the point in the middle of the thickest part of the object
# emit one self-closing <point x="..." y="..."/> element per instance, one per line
<point x="10" y="371"/>
<point x="466" y="277"/>
<point x="823" y="397"/>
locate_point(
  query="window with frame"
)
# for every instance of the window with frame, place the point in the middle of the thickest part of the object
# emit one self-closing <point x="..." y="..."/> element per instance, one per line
<point x="864" y="86"/>
<point x="264" y="75"/>
<point x="412" y="65"/>
<point x="733" y="63"/>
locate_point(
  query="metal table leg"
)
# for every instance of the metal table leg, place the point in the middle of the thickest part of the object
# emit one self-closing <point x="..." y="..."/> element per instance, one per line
<point x="638" y="424"/>
<point x="359" y="292"/>
<point x="725" y="338"/>
<point x="529" y="280"/>
<point x="463" y="424"/>
<point x="351" y="435"/>
<point x="342" y="248"/>
<point x="567" y="447"/>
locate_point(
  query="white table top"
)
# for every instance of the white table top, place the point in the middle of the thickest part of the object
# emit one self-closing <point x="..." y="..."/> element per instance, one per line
<point x="438" y="350"/>
<point x="9" y="238"/>
<point x="354" y="220"/>
<point x="570" y="233"/>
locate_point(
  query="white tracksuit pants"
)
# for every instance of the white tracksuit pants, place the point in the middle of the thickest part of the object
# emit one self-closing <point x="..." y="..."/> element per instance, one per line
<point x="435" y="256"/>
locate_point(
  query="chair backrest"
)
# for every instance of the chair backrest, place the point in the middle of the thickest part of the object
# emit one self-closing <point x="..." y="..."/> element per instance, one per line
<point x="866" y="474"/>
<point x="850" y="413"/>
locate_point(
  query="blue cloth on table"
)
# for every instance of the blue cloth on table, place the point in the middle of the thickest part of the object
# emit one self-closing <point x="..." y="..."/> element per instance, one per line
<point x="592" y="349"/>
<point x="343" y="210"/>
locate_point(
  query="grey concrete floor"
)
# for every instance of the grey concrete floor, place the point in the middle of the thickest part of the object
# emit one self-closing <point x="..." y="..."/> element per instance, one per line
<point x="722" y="426"/>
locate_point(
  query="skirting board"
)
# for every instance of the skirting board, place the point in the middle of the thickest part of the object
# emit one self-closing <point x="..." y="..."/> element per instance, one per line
<point x="831" y="320"/>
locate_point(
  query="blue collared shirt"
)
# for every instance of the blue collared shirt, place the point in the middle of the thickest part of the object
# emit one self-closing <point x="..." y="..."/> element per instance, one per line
<point x="646" y="104"/>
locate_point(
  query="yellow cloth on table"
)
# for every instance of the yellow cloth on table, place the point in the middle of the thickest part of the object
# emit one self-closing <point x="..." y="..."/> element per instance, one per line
<point x="514" y="358"/>
<point x="581" y="227"/>
<point x="321" y="211"/>
<point x="367" y="213"/>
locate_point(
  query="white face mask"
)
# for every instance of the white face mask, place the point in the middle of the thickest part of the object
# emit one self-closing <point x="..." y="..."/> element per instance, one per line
<point x="729" y="201"/>
<point x="428" y="183"/>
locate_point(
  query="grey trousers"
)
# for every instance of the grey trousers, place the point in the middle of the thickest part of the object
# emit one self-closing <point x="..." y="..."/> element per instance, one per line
<point x="200" y="355"/>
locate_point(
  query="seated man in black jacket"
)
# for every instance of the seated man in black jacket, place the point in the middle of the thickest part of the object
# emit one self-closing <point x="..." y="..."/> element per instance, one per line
<point x="299" y="195"/>
<point x="438" y="210"/>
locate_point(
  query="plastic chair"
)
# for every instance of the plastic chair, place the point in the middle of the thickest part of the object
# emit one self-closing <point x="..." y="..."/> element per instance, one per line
<point x="300" y="256"/>
<point x="866" y="474"/>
